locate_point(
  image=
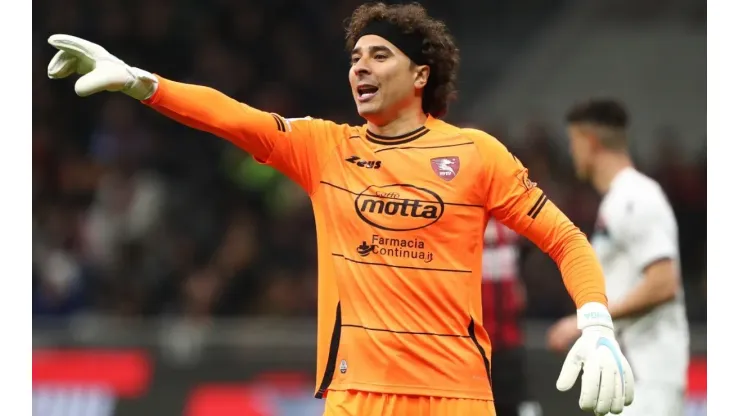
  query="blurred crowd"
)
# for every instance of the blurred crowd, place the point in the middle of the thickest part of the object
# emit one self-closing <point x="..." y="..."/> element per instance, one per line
<point x="137" y="216"/>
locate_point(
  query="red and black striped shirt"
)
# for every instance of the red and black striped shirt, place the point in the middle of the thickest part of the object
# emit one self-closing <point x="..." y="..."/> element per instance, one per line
<point x="502" y="299"/>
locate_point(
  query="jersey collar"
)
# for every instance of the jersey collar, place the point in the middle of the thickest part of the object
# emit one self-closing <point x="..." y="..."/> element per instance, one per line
<point x="400" y="139"/>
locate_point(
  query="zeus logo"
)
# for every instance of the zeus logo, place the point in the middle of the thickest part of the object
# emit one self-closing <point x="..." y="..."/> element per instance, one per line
<point x="372" y="164"/>
<point x="410" y="208"/>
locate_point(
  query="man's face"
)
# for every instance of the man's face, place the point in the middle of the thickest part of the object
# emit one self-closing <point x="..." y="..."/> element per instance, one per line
<point x="581" y="150"/>
<point x="383" y="79"/>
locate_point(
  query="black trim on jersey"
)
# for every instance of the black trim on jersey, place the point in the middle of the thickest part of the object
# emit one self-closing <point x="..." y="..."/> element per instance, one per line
<point x="402" y="139"/>
<point x="331" y="361"/>
<point x="542" y="205"/>
<point x="423" y="147"/>
<point x="537" y="207"/>
<point x="404" y="332"/>
<point x="486" y="361"/>
<point x="653" y="261"/>
<point x="399" y="267"/>
<point x="279" y="121"/>
<point x="396" y="199"/>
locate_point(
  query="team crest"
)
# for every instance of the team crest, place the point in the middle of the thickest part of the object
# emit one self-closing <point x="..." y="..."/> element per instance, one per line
<point x="523" y="177"/>
<point x="446" y="167"/>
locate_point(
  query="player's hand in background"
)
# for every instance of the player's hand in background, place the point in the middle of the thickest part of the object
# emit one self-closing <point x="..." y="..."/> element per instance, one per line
<point x="607" y="384"/>
<point x="100" y="70"/>
<point x="563" y="334"/>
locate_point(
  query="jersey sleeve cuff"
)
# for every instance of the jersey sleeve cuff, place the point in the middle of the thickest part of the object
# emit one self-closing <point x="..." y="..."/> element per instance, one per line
<point x="647" y="259"/>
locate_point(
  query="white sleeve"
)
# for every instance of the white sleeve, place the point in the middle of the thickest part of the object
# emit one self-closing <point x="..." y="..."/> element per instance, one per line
<point x="646" y="229"/>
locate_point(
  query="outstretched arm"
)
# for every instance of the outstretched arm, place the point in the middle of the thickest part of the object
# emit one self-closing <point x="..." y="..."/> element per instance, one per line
<point x="297" y="148"/>
<point x="209" y="110"/>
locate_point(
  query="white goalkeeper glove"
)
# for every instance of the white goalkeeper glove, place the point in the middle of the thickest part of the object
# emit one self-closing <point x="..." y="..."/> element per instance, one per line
<point x="100" y="70"/>
<point x="607" y="384"/>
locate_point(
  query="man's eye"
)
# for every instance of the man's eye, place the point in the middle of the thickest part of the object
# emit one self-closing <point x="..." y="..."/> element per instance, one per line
<point x="353" y="60"/>
<point x="380" y="57"/>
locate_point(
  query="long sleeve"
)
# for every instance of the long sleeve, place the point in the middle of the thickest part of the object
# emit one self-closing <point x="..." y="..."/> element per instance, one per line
<point x="519" y="204"/>
<point x="293" y="146"/>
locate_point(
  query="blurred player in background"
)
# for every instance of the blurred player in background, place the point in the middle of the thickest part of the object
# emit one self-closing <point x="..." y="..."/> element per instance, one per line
<point x="504" y="300"/>
<point x="636" y="238"/>
<point x="401" y="205"/>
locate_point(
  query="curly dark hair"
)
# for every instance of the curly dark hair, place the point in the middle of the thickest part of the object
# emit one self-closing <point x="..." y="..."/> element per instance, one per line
<point x="438" y="48"/>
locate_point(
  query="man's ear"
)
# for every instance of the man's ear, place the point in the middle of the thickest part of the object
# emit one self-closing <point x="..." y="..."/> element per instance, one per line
<point x="421" y="76"/>
<point x="593" y="139"/>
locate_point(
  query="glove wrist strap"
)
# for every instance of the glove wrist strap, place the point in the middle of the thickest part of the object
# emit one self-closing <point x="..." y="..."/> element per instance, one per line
<point x="142" y="86"/>
<point x="594" y="314"/>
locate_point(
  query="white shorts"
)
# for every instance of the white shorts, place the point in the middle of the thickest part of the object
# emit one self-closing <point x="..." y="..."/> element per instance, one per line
<point x="656" y="400"/>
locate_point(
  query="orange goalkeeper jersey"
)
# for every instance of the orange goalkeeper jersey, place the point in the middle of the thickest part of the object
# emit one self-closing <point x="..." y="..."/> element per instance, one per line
<point x="399" y="225"/>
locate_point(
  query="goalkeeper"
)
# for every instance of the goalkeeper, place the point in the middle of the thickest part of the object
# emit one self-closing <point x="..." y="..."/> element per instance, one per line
<point x="401" y="205"/>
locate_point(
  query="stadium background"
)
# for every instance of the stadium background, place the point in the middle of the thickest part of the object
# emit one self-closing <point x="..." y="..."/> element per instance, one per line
<point x="171" y="274"/>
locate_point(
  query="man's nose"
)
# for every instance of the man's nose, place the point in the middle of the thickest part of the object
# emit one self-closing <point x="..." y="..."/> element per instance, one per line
<point x="361" y="68"/>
